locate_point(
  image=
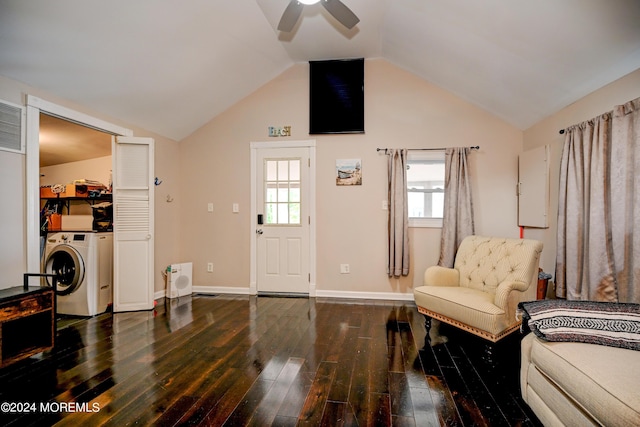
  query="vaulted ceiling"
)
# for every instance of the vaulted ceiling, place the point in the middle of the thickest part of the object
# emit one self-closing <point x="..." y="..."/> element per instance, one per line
<point x="170" y="66"/>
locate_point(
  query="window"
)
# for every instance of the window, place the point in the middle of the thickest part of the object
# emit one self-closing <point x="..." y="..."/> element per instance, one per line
<point x="282" y="191"/>
<point x="425" y="188"/>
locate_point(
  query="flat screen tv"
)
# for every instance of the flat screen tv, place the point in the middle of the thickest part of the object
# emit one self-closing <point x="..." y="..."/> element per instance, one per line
<point x="336" y="96"/>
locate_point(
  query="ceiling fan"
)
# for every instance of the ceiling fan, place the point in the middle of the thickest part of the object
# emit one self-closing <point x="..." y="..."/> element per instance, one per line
<point x="336" y="8"/>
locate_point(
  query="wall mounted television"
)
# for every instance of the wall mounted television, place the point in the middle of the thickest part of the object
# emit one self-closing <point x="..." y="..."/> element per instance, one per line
<point x="336" y="96"/>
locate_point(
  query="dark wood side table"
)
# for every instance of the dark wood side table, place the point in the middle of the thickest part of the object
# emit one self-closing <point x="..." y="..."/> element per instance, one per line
<point x="543" y="281"/>
<point x="27" y="322"/>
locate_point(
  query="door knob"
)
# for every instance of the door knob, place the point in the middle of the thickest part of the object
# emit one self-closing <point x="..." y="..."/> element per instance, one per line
<point x="259" y="231"/>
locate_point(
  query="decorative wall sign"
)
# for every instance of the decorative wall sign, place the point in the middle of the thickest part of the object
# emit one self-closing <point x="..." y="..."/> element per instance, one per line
<point x="275" y="131"/>
<point x="349" y="172"/>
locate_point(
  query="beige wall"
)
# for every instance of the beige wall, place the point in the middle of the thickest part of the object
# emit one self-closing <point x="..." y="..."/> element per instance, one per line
<point x="12" y="193"/>
<point x="547" y="132"/>
<point x="97" y="169"/>
<point x="401" y="110"/>
<point x="212" y="165"/>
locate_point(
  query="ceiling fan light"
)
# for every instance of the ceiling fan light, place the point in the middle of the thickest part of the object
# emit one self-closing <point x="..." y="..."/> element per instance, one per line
<point x="309" y="1"/>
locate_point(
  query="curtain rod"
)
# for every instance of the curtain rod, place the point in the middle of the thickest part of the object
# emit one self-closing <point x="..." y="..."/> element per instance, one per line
<point x="476" y="147"/>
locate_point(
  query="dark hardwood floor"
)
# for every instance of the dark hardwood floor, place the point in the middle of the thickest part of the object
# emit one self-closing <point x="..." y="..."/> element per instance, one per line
<point x="240" y="360"/>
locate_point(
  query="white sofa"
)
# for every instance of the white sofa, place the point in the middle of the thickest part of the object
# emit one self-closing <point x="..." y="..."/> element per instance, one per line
<point x="580" y="366"/>
<point x="580" y="384"/>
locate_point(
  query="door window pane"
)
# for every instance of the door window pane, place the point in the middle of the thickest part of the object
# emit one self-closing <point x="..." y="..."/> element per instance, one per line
<point x="271" y="213"/>
<point x="283" y="170"/>
<point x="294" y="213"/>
<point x="294" y="171"/>
<point x="283" y="213"/>
<point x="294" y="192"/>
<point x="272" y="193"/>
<point x="271" y="170"/>
<point x="282" y="191"/>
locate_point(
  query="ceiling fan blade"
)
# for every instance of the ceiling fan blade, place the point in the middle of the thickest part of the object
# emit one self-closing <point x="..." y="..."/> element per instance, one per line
<point x="341" y="12"/>
<point x="290" y="16"/>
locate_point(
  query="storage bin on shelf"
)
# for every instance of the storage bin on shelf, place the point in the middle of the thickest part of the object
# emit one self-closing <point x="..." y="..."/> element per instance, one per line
<point x="71" y="190"/>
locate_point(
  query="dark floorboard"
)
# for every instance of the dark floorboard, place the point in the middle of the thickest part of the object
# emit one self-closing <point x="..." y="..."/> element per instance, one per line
<point x="264" y="361"/>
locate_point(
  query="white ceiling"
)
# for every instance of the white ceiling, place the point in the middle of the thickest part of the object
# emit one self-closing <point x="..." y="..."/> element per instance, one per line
<point x="170" y="66"/>
<point x="62" y="141"/>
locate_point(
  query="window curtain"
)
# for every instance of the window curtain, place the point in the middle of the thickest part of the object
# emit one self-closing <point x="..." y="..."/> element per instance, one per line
<point x="457" y="222"/>
<point x="598" y="247"/>
<point x="398" y="259"/>
<point x="625" y="199"/>
<point x="584" y="258"/>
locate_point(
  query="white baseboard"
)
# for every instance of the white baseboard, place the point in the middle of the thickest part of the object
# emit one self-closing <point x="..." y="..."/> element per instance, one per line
<point x="220" y="290"/>
<point x="318" y="293"/>
<point x="208" y="290"/>
<point x="365" y="295"/>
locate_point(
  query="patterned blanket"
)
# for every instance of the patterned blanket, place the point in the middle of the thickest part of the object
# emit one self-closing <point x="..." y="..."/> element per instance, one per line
<point x="604" y="323"/>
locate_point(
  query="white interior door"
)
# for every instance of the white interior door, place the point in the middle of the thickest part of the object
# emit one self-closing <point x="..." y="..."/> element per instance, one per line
<point x="133" y="202"/>
<point x="283" y="220"/>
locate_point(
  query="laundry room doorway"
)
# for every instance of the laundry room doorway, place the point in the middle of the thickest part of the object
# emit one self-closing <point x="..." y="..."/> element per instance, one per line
<point x="137" y="289"/>
<point x="75" y="204"/>
<point x="75" y="176"/>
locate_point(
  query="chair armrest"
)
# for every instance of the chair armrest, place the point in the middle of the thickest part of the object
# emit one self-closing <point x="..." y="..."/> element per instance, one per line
<point x="441" y="276"/>
<point x="506" y="299"/>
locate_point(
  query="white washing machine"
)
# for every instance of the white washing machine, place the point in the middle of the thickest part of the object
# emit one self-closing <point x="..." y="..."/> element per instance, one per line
<point x="83" y="263"/>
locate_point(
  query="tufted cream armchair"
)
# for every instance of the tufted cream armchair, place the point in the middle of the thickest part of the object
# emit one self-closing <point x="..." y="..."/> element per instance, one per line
<point x="481" y="292"/>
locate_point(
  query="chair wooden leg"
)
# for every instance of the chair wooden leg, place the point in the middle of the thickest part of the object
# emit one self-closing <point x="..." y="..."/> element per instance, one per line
<point x="427" y="326"/>
<point x="433" y="332"/>
<point x="427" y="323"/>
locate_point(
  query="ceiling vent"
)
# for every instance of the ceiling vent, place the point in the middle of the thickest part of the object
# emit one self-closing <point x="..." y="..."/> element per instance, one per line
<point x="11" y="127"/>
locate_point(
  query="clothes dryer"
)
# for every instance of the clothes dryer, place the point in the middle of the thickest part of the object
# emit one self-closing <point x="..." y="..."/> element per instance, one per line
<point x="83" y="263"/>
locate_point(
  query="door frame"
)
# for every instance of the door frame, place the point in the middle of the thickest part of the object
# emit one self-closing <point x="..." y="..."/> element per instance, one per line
<point x="35" y="106"/>
<point x="255" y="146"/>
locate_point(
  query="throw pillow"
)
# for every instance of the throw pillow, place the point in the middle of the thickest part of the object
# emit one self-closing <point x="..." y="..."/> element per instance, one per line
<point x="604" y="323"/>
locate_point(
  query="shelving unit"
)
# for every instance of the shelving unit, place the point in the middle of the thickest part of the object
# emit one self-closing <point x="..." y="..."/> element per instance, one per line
<point x="79" y="205"/>
<point x="66" y="201"/>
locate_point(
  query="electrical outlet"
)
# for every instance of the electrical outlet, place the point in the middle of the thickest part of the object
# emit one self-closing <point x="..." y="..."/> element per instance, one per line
<point x="344" y="269"/>
<point x="210" y="207"/>
<point x="385" y="205"/>
<point x="235" y="208"/>
<point x="210" y="267"/>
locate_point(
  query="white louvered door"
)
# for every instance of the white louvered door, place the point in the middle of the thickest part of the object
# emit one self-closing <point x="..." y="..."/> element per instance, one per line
<point x="133" y="239"/>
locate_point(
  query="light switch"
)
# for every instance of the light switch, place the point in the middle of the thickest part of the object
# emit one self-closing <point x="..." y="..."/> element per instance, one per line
<point x="236" y="208"/>
<point x="210" y="207"/>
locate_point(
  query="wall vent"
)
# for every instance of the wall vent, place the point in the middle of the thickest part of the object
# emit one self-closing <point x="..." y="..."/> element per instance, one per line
<point x="12" y="124"/>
